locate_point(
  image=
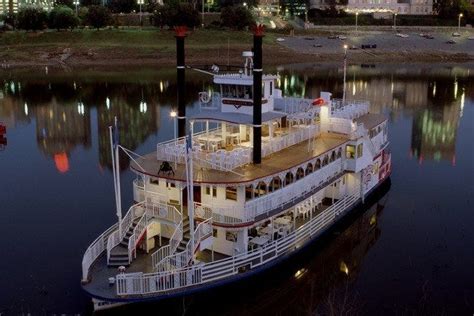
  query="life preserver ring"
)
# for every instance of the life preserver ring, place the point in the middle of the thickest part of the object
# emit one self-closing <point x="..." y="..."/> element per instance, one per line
<point x="318" y="101"/>
<point x="204" y="97"/>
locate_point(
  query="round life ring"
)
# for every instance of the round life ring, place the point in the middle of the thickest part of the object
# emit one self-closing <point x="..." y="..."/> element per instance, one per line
<point x="318" y="101"/>
<point x="204" y="97"/>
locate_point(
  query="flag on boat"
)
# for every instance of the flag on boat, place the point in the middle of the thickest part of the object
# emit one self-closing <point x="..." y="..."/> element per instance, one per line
<point x="116" y="133"/>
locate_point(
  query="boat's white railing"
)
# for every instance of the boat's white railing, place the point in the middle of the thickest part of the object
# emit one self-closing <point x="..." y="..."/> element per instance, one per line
<point x="95" y="249"/>
<point x="288" y="194"/>
<point x="292" y="105"/>
<point x="185" y="257"/>
<point x="174" y="150"/>
<point x="112" y="241"/>
<point x="237" y="215"/>
<point x="163" y="211"/>
<point x="295" y="136"/>
<point x="158" y="256"/>
<point x="341" y="126"/>
<point x="230" y="215"/>
<point x="133" y="284"/>
<point x="349" y="109"/>
<point x="127" y="221"/>
<point x="138" y="232"/>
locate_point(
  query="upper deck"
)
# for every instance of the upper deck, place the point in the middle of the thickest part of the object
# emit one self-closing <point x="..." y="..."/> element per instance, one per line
<point x="275" y="163"/>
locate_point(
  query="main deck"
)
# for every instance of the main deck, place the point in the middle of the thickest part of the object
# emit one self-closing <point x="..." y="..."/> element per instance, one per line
<point x="275" y="163"/>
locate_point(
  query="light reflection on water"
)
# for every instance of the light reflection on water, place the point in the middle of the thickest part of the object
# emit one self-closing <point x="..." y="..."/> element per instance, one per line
<point x="58" y="189"/>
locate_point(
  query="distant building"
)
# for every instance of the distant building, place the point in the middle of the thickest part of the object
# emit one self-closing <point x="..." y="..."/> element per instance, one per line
<point x="12" y="6"/>
<point x="416" y="7"/>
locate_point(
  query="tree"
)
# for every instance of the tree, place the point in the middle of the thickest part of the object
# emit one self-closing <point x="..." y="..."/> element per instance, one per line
<point x="98" y="16"/>
<point x="32" y="18"/>
<point x="174" y="15"/>
<point x="450" y="8"/>
<point x="62" y="17"/>
<point x="236" y="17"/>
<point x="122" y="6"/>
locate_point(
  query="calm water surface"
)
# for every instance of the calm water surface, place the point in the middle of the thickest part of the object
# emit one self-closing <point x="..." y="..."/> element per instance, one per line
<point x="411" y="252"/>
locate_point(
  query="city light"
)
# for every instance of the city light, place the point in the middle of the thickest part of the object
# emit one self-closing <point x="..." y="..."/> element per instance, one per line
<point x="143" y="107"/>
<point x="173" y="113"/>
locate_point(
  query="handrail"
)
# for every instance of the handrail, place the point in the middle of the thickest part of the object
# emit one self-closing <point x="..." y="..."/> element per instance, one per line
<point x="183" y="258"/>
<point x="95" y="249"/>
<point x="158" y="282"/>
<point x="138" y="231"/>
<point x="158" y="256"/>
<point x="238" y="215"/>
<point x="290" y="193"/>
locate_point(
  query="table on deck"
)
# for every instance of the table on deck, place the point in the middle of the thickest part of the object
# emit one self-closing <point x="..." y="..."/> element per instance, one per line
<point x="259" y="241"/>
<point x="210" y="140"/>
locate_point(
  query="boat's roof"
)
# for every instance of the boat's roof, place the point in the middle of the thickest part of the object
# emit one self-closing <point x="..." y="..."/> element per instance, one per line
<point x="271" y="165"/>
<point x="234" y="118"/>
<point x="239" y="79"/>
<point x="371" y="120"/>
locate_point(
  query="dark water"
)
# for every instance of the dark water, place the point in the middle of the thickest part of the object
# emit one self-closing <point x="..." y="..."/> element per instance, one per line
<point x="411" y="252"/>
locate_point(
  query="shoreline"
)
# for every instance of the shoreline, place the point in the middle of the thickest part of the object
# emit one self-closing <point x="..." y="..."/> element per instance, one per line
<point x="116" y="48"/>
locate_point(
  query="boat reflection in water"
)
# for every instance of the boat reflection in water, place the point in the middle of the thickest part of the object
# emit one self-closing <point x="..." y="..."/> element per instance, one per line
<point x="315" y="281"/>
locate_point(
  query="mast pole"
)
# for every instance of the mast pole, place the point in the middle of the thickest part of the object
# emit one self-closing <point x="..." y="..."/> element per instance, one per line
<point x="117" y="173"/>
<point x="112" y="153"/>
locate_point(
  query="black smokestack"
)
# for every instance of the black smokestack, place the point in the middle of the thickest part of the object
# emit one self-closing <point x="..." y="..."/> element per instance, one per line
<point x="257" y="94"/>
<point x="180" y="71"/>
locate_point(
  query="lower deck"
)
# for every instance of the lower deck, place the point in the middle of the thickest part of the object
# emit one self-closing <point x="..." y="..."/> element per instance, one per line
<point x="258" y="238"/>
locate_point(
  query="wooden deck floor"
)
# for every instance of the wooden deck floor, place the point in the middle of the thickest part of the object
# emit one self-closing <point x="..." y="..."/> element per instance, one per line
<point x="272" y="164"/>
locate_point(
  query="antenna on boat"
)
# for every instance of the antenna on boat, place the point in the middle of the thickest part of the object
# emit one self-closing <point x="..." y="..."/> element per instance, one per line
<point x="180" y="72"/>
<point x="257" y="93"/>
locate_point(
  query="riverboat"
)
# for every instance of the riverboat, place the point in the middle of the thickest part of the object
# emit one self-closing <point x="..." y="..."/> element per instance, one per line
<point x="257" y="178"/>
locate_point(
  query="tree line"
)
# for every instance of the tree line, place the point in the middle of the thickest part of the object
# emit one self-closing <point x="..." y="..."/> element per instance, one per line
<point x="90" y="13"/>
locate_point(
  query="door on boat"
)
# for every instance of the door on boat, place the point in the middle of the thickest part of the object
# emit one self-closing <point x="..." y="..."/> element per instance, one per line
<point x="196" y="196"/>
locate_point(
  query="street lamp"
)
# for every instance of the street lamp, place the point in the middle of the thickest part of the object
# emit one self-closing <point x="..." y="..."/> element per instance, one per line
<point x="140" y="3"/>
<point x="345" y="71"/>
<point x="357" y="15"/>
<point x="173" y="115"/>
<point x="395" y="21"/>
<point x="76" y="3"/>
<point x="459" y="22"/>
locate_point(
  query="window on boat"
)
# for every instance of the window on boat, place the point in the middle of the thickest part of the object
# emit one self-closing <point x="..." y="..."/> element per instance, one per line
<point x="289" y="178"/>
<point x="248" y="192"/>
<point x="170" y="185"/>
<point x="299" y="173"/>
<point x="359" y="150"/>
<point x="261" y="189"/>
<point x="318" y="164"/>
<point x="309" y="168"/>
<point x="271" y="87"/>
<point x="210" y="188"/>
<point x="333" y="156"/>
<point x="231" y="236"/>
<point x="214" y="232"/>
<point x="154" y="181"/>
<point x="236" y="91"/>
<point x="231" y="193"/>
<point x="339" y="152"/>
<point x="325" y="160"/>
<point x="350" y="151"/>
<point x="275" y="184"/>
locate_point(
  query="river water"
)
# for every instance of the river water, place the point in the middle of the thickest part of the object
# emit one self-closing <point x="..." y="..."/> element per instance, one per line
<point x="410" y="252"/>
